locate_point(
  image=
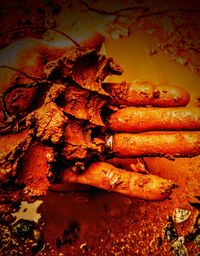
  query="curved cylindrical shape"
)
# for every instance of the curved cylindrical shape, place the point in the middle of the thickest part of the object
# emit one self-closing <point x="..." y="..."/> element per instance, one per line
<point x="107" y="176"/>
<point x="142" y="93"/>
<point x="179" y="144"/>
<point x="140" y="119"/>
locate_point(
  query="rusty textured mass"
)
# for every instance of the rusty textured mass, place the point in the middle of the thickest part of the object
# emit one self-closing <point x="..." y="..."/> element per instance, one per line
<point x="51" y="119"/>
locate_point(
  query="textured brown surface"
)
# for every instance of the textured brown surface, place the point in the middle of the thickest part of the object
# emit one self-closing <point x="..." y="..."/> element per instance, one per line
<point x="110" y="224"/>
<point x="154" y="119"/>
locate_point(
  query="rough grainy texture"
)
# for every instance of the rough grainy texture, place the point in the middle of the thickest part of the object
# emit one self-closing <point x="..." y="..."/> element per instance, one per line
<point x="86" y="68"/>
<point x="132" y="119"/>
<point x="167" y="144"/>
<point x="104" y="175"/>
<point x="45" y="112"/>
<point x="143" y="93"/>
<point x="83" y="104"/>
<point x="13" y="147"/>
<point x="25" y="236"/>
<point x="20" y="100"/>
<point x="48" y="122"/>
<point x="99" y="223"/>
<point x="35" y="175"/>
<point x="119" y="225"/>
<point x="79" y="143"/>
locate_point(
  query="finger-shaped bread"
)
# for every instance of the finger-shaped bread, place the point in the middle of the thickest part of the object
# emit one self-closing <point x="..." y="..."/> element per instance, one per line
<point x="141" y="119"/>
<point x="179" y="144"/>
<point x="142" y="93"/>
<point x="107" y="176"/>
